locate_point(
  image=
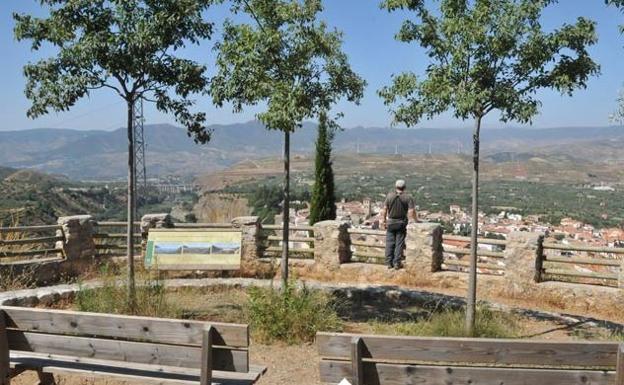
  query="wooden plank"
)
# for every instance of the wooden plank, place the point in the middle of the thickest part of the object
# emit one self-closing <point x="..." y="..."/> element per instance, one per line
<point x="38" y="261"/>
<point x="480" y="265"/>
<point x="29" y="252"/>
<point x="206" y="358"/>
<point x="367" y="244"/>
<point x="4" y="351"/>
<point x="572" y="273"/>
<point x="117" y="350"/>
<point x="619" y="366"/>
<point x="148" y="329"/>
<point x="115" y="247"/>
<point x="590" y="249"/>
<point x="357" y="368"/>
<point x="480" y="253"/>
<point x="467" y="350"/>
<point x="114" y="236"/>
<point x="584" y="261"/>
<point x="30" y="241"/>
<point x="142" y="373"/>
<point x="277" y="249"/>
<point x="482" y="241"/>
<point x="368" y="254"/>
<point x="401" y="374"/>
<point x="290" y="239"/>
<point x="26" y="229"/>
<point x="366" y="232"/>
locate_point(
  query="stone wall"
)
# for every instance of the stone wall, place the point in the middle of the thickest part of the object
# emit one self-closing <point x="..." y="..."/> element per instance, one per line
<point x="332" y="251"/>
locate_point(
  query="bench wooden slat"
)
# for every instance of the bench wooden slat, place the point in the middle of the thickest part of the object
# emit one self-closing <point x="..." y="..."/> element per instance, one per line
<point x="152" y="374"/>
<point x="466" y="350"/>
<point x="146" y="329"/>
<point x="390" y="374"/>
<point x="115" y="350"/>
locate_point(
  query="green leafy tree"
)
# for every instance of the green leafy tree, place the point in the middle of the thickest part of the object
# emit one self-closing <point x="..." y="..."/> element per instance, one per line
<point x="486" y="55"/>
<point x="126" y="46"/>
<point x="323" y="204"/>
<point x="288" y="61"/>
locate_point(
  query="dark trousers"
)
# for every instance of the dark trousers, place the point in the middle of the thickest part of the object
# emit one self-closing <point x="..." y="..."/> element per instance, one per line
<point x="395" y="243"/>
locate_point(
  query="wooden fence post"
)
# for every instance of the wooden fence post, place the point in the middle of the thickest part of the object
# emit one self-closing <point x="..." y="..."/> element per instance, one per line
<point x="206" y="357"/>
<point x="539" y="259"/>
<point x="4" y="351"/>
<point x="357" y="368"/>
<point x="620" y="366"/>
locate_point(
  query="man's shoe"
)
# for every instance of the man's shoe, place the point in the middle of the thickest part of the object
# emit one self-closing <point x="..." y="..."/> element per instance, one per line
<point x="398" y="267"/>
<point x="389" y="267"/>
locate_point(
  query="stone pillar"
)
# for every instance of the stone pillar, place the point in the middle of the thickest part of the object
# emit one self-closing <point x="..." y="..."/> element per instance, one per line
<point x="250" y="241"/>
<point x="423" y="247"/>
<point x="154" y="221"/>
<point x="77" y="232"/>
<point x="332" y="244"/>
<point x="521" y="259"/>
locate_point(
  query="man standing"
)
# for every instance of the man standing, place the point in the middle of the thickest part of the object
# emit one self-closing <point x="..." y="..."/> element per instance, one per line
<point x="398" y="207"/>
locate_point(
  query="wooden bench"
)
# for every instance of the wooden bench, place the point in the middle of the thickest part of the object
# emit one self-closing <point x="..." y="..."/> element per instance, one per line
<point x="148" y="350"/>
<point x="373" y="360"/>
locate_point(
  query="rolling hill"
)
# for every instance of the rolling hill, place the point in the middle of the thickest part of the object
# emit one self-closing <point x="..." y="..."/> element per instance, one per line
<point x="100" y="155"/>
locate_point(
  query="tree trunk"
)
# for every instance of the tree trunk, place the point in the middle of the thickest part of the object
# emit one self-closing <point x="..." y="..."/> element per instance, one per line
<point x="131" y="202"/>
<point x="286" y="210"/>
<point x="472" y="280"/>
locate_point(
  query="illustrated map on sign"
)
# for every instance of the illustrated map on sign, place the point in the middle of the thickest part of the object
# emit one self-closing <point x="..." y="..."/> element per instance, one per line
<point x="169" y="249"/>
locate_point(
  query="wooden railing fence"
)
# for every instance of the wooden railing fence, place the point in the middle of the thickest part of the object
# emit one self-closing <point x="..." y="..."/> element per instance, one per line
<point x="300" y="237"/>
<point x="29" y="243"/>
<point x="111" y="239"/>
<point x="368" y="246"/>
<point x="488" y="261"/>
<point x="580" y="264"/>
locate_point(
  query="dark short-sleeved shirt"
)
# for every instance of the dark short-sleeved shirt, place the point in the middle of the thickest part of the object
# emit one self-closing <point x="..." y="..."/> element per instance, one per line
<point x="401" y="206"/>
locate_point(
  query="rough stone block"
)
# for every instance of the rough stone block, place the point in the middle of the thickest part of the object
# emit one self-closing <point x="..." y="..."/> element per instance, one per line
<point x="77" y="232"/>
<point x="423" y="247"/>
<point x="332" y="244"/>
<point x="520" y="260"/>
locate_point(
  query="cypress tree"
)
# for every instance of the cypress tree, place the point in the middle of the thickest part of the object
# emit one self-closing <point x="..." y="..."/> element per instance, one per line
<point x="323" y="205"/>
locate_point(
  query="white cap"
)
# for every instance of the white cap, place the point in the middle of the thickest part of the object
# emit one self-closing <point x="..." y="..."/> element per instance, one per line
<point x="400" y="184"/>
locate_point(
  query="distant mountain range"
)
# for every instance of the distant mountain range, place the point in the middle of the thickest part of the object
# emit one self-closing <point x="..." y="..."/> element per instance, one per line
<point x="101" y="155"/>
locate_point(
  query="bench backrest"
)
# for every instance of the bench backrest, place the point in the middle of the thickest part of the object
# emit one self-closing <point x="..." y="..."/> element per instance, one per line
<point x="144" y="340"/>
<point x="389" y="360"/>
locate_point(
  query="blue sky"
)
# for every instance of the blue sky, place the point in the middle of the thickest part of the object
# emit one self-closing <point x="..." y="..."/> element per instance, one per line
<point x="369" y="42"/>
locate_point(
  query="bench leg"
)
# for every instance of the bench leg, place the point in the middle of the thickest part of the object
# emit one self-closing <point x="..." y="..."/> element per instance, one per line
<point x="357" y="369"/>
<point x="620" y="366"/>
<point x="45" y="378"/>
<point x="4" y="352"/>
<point x="206" y="357"/>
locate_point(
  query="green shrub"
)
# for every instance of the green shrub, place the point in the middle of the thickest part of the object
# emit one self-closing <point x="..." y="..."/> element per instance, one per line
<point x="293" y="315"/>
<point x="152" y="299"/>
<point x="451" y="323"/>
